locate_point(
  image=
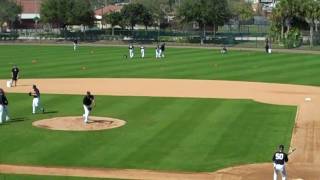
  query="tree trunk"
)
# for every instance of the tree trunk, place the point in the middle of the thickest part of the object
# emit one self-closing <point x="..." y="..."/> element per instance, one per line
<point x="311" y="34"/>
<point x="282" y="30"/>
<point x="214" y="30"/>
<point x="112" y="29"/>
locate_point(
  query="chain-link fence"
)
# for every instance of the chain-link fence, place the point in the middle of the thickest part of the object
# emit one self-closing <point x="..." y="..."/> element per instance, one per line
<point x="253" y="36"/>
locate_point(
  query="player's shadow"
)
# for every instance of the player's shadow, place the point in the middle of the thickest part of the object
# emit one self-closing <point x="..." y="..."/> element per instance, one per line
<point x="50" y="112"/>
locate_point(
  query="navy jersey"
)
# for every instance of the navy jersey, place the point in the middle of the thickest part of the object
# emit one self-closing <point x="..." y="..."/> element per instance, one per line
<point x="88" y="99"/>
<point x="3" y="100"/>
<point x="36" y="93"/>
<point x="280" y="158"/>
<point x="15" y="72"/>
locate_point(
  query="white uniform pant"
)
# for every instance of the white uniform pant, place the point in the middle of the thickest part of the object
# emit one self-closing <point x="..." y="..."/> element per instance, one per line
<point x="3" y="113"/>
<point x="86" y="113"/>
<point x="142" y="53"/>
<point x="35" y="104"/>
<point x="158" y="54"/>
<point x="278" y="168"/>
<point x="75" y="46"/>
<point x="131" y="54"/>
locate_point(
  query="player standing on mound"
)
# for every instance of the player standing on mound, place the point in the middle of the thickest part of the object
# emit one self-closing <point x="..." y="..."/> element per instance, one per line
<point x="88" y="104"/>
<point x="14" y="75"/>
<point x="279" y="160"/>
<point x="36" y="100"/>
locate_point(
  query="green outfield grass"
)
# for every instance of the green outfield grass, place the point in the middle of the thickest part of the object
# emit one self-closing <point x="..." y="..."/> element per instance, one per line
<point x="29" y="177"/>
<point x="172" y="134"/>
<point x="61" y="61"/>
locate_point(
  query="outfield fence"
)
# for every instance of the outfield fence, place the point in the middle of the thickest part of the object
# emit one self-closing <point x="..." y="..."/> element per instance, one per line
<point x="253" y="36"/>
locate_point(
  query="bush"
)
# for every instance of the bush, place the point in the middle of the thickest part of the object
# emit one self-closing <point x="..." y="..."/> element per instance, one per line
<point x="293" y="39"/>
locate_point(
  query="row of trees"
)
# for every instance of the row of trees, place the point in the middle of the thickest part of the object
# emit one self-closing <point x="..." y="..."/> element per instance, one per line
<point x="9" y="11"/>
<point x="294" y="14"/>
<point x="62" y="13"/>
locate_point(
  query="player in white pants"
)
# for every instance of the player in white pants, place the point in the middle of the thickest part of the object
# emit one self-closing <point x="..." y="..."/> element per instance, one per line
<point x="158" y="52"/>
<point x="131" y="51"/>
<point x="36" y="100"/>
<point x="75" y="44"/>
<point x="88" y="104"/>
<point x="3" y="107"/>
<point x="142" y="51"/>
<point x="279" y="161"/>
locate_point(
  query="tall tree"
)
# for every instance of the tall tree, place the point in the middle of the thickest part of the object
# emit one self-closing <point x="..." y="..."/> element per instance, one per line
<point x="241" y="10"/>
<point x="133" y="14"/>
<point x="309" y="10"/>
<point x="67" y="12"/>
<point x="9" y="12"/>
<point x="114" y="19"/>
<point x="204" y="12"/>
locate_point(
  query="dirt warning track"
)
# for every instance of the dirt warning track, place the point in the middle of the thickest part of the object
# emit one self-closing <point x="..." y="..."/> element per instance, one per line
<point x="304" y="163"/>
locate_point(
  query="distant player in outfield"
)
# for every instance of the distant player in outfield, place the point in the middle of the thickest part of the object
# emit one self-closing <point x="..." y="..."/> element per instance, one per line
<point x="15" y="75"/>
<point x="142" y="51"/>
<point x="224" y="50"/>
<point x="88" y="104"/>
<point x="75" y="44"/>
<point x="279" y="161"/>
<point x="158" y="52"/>
<point x="3" y="107"/>
<point x="162" y="49"/>
<point x="36" y="100"/>
<point x="131" y="51"/>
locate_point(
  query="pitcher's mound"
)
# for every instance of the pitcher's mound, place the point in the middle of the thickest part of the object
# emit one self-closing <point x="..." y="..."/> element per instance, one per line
<point x="77" y="124"/>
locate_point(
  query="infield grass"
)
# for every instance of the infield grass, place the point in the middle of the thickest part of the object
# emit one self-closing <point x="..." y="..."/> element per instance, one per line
<point x="62" y="61"/>
<point x="31" y="177"/>
<point x="171" y="134"/>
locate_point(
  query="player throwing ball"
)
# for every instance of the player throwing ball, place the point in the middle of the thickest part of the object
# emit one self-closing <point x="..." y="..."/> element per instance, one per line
<point x="279" y="159"/>
<point x="88" y="104"/>
<point x="36" y="100"/>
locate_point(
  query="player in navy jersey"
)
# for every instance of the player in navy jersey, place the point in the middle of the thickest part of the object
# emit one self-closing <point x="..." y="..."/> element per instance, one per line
<point x="88" y="104"/>
<point x="279" y="161"/>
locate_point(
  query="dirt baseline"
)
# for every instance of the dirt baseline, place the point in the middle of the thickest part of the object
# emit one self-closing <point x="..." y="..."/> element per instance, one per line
<point x="77" y="124"/>
<point x="304" y="163"/>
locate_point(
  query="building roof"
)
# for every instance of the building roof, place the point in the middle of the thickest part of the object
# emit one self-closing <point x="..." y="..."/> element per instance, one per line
<point x="29" y="6"/>
<point x="108" y="9"/>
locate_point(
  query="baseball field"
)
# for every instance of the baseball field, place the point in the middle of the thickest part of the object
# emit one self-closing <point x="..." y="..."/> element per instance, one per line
<point x="192" y="113"/>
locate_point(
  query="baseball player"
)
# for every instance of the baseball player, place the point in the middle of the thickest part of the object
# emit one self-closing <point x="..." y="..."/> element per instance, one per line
<point x="15" y="75"/>
<point x="3" y="107"/>
<point x="131" y="51"/>
<point x="88" y="104"/>
<point x="36" y="100"/>
<point x="224" y="50"/>
<point x="162" y="49"/>
<point x="142" y="51"/>
<point x="75" y="44"/>
<point x="279" y="159"/>
<point x="158" y="52"/>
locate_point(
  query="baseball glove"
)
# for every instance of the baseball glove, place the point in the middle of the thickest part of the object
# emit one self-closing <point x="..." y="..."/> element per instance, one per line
<point x="29" y="93"/>
<point x="89" y="108"/>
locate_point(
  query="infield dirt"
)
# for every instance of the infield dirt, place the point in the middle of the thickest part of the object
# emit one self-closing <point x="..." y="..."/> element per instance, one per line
<point x="304" y="162"/>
